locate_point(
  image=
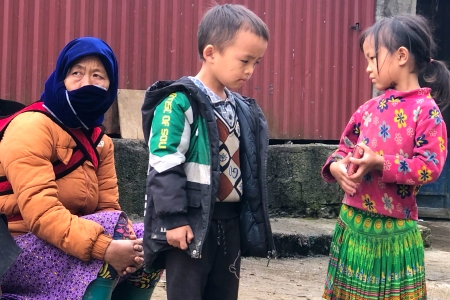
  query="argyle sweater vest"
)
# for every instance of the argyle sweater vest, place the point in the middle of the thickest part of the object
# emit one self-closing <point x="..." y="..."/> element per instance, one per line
<point x="230" y="182"/>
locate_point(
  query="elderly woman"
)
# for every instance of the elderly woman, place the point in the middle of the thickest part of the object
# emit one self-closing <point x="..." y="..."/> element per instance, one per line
<point x="58" y="187"/>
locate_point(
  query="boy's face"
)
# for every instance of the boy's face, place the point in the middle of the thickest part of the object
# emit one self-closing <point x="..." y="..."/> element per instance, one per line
<point x="235" y="64"/>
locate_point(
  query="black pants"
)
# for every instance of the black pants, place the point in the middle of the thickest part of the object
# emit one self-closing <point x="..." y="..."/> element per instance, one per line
<point x="215" y="276"/>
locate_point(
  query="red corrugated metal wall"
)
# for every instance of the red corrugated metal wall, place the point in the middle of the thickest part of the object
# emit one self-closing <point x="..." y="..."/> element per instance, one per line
<point x="308" y="84"/>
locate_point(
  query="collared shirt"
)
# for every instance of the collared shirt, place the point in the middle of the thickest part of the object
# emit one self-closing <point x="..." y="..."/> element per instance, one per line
<point x="225" y="107"/>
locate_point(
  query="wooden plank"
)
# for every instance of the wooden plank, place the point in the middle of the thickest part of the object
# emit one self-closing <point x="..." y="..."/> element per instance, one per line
<point x="111" y="122"/>
<point x="130" y="119"/>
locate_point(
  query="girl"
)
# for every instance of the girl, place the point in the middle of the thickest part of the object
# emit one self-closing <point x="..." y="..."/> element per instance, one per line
<point x="377" y="250"/>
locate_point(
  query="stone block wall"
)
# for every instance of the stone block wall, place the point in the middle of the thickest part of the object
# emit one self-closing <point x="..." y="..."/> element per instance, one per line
<point x="296" y="188"/>
<point x="294" y="182"/>
<point x="131" y="159"/>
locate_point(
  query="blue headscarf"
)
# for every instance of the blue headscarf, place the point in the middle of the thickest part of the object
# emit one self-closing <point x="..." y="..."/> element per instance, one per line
<point x="86" y="106"/>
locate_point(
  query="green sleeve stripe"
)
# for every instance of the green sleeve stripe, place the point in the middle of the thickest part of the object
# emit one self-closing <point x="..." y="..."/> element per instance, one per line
<point x="199" y="151"/>
<point x="170" y="126"/>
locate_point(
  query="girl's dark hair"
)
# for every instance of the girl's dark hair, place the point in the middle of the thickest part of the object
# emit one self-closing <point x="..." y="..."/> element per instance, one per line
<point x="220" y="24"/>
<point x="414" y="33"/>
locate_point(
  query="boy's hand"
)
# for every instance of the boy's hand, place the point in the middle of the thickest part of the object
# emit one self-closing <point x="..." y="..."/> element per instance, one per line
<point x="180" y="237"/>
<point x="339" y="171"/>
<point x="367" y="163"/>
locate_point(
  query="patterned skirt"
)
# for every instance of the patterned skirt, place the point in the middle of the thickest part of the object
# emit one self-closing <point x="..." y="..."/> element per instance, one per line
<point x="44" y="272"/>
<point x="375" y="257"/>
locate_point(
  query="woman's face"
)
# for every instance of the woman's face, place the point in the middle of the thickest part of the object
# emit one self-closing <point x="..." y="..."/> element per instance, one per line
<point x="87" y="71"/>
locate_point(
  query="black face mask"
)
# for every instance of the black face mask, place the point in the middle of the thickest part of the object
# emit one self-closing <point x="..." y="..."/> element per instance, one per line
<point x="89" y="103"/>
<point x="83" y="107"/>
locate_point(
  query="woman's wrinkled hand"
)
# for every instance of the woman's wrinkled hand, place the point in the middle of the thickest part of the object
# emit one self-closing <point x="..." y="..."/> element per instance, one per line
<point x="138" y="259"/>
<point x="125" y="256"/>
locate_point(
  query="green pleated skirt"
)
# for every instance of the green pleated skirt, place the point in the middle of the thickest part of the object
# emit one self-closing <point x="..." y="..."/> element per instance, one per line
<point x="375" y="257"/>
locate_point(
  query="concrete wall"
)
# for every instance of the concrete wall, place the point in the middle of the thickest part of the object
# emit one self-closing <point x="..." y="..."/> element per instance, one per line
<point x="131" y="158"/>
<point x="294" y="182"/>
<point x="388" y="8"/>
<point x="295" y="185"/>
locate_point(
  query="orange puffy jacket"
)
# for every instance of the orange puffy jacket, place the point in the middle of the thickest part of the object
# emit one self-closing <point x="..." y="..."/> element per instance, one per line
<point x="49" y="207"/>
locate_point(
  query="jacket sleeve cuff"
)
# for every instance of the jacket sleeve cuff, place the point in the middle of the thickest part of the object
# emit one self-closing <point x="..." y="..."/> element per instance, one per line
<point x="100" y="246"/>
<point x="326" y="172"/>
<point x="175" y="221"/>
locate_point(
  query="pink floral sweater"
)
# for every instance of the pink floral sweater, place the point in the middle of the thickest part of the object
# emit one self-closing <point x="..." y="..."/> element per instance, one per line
<point x="408" y="130"/>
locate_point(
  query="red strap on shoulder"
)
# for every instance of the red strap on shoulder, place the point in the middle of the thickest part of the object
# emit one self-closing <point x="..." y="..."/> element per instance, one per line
<point x="36" y="106"/>
<point x="86" y="146"/>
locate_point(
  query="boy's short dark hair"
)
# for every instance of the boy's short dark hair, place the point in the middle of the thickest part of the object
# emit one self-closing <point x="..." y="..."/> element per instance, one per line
<point x="220" y="24"/>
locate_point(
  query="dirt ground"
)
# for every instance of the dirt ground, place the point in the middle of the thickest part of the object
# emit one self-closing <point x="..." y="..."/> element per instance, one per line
<point x="302" y="278"/>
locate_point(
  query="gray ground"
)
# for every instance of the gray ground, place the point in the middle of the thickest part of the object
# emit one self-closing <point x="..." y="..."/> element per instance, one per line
<point x="302" y="278"/>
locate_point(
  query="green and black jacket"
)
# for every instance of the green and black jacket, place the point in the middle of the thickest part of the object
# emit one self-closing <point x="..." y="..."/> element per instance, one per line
<point x="184" y="169"/>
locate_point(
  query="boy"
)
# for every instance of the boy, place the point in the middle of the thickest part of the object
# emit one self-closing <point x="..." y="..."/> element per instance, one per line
<point x="206" y="190"/>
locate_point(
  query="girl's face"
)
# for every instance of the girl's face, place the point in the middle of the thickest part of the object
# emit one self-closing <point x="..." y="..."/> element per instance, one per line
<point x="380" y="66"/>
